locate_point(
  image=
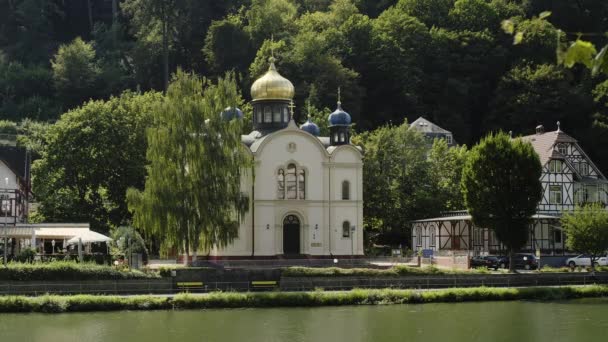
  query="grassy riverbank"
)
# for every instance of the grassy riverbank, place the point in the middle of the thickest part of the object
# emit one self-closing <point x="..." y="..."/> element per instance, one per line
<point x="81" y="303"/>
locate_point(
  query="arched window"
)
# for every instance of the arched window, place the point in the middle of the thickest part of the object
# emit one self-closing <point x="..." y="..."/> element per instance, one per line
<point x="432" y="236"/>
<point x="285" y="114"/>
<point x="267" y="114"/>
<point x="335" y="137"/>
<point x="341" y="137"/>
<point x="292" y="182"/>
<point x="276" y="114"/>
<point x="302" y="184"/>
<point x="346" y="229"/>
<point x="346" y="190"/>
<point x="419" y="236"/>
<point x="281" y="184"/>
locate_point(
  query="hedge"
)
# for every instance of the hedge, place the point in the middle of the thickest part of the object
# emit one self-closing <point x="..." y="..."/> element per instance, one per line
<point x="66" y="270"/>
<point x="371" y="272"/>
<point x="83" y="303"/>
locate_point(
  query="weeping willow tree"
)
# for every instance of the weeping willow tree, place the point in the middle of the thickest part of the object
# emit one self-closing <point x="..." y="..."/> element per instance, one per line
<point x="192" y="198"/>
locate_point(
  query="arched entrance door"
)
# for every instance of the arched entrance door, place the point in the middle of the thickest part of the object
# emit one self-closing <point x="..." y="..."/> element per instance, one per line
<point x="291" y="235"/>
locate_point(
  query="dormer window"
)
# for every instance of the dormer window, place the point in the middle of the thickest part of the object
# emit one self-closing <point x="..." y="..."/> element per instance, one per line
<point x="563" y="149"/>
<point x="448" y="139"/>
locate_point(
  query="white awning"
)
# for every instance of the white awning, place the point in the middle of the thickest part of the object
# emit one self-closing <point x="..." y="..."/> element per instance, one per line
<point x="88" y="237"/>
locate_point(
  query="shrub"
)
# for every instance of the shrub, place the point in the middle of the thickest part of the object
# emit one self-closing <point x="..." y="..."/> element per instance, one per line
<point x="67" y="270"/>
<point x="79" y="303"/>
<point x="400" y="270"/>
<point x="549" y="269"/>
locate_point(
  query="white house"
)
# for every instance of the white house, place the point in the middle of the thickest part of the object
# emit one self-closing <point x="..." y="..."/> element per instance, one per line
<point x="14" y="184"/>
<point x="569" y="178"/>
<point x="307" y="194"/>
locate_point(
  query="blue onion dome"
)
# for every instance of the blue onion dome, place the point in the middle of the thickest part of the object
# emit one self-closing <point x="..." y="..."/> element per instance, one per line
<point x="311" y="128"/>
<point x="231" y="113"/>
<point x="339" y="117"/>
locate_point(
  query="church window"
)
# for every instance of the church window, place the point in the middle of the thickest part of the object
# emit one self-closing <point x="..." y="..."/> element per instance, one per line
<point x="292" y="184"/>
<point x="281" y="184"/>
<point x="302" y="184"/>
<point x="555" y="166"/>
<point x="277" y="114"/>
<point x="346" y="229"/>
<point x="285" y="114"/>
<point x="555" y="194"/>
<point x="563" y="149"/>
<point x="345" y="190"/>
<point x="267" y="114"/>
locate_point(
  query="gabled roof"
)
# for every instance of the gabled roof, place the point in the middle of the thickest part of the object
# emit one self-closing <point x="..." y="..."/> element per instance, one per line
<point x="543" y="144"/>
<point x="425" y="126"/>
<point x="15" y="159"/>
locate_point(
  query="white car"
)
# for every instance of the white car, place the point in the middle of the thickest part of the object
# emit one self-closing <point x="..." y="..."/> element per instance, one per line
<point x="585" y="260"/>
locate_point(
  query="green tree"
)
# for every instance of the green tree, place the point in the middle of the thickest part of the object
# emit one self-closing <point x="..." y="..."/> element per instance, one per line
<point x="192" y="197"/>
<point x="228" y="46"/>
<point x="75" y="72"/>
<point x="430" y="12"/>
<point x="474" y="15"/>
<point x="91" y="156"/>
<point x="154" y="22"/>
<point x="396" y="183"/>
<point x="271" y="18"/>
<point x="586" y="231"/>
<point x="547" y="93"/>
<point x="445" y="171"/>
<point x="501" y="188"/>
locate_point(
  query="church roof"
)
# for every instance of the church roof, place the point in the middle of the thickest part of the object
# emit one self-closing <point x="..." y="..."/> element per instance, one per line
<point x="544" y="142"/>
<point x="425" y="126"/>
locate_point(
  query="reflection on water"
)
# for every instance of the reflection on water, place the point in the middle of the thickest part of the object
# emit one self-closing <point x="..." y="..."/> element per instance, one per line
<point x="580" y="320"/>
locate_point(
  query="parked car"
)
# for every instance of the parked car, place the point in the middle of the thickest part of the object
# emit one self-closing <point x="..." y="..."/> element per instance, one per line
<point x="521" y="260"/>
<point x="488" y="261"/>
<point x="585" y="260"/>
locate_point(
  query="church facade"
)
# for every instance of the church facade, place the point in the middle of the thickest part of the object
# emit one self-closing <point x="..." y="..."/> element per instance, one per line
<point x="306" y="190"/>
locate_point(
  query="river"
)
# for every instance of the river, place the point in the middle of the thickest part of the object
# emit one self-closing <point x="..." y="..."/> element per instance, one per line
<point x="576" y="320"/>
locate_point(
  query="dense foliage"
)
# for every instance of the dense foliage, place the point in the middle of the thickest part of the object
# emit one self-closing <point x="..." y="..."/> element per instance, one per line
<point x="404" y="181"/>
<point x="586" y="229"/>
<point x="501" y="187"/>
<point x="192" y="198"/>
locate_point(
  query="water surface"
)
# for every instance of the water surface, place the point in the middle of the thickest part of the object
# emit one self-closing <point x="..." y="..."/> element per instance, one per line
<point x="578" y="320"/>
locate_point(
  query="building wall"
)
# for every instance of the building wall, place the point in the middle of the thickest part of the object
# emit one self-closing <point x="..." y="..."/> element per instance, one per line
<point x="321" y="219"/>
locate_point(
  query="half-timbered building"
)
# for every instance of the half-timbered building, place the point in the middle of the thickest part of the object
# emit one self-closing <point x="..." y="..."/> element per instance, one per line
<point x="569" y="178"/>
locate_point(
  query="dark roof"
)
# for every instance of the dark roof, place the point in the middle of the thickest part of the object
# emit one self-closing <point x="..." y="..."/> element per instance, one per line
<point x="14" y="158"/>
<point x="425" y="126"/>
<point x="543" y="144"/>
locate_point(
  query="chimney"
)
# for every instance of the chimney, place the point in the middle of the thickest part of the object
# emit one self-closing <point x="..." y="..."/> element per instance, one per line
<point x="540" y="129"/>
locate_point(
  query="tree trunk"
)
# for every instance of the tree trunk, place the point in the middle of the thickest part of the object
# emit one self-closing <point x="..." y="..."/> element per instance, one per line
<point x="511" y="263"/>
<point x="165" y="54"/>
<point x="593" y="258"/>
<point x="90" y="12"/>
<point x="114" y="11"/>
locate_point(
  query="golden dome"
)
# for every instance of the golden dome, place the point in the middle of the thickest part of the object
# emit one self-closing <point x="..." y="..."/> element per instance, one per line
<point x="272" y="86"/>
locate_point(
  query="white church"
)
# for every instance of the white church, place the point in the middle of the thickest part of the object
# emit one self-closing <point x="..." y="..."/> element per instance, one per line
<point x="306" y="193"/>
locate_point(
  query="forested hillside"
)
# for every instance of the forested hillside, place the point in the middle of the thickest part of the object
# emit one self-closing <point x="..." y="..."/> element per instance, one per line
<point x="447" y="60"/>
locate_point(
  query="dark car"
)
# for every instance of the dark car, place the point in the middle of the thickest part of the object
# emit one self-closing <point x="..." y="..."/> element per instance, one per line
<point x="521" y="260"/>
<point x="488" y="261"/>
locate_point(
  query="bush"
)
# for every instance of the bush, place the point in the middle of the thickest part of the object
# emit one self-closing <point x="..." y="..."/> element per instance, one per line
<point x="549" y="269"/>
<point x="79" y="303"/>
<point x="26" y="255"/>
<point x="400" y="270"/>
<point x="67" y="270"/>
